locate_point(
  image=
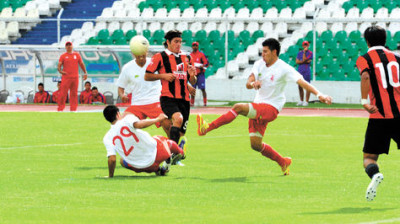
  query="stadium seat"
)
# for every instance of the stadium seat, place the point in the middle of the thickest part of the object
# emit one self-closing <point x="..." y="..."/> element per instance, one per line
<point x="238" y="27"/>
<point x="126" y="26"/>
<point x="188" y="13"/>
<point x="215" y="13"/>
<point x="129" y="34"/>
<point x="272" y="13"/>
<point x="114" y="25"/>
<point x="210" y="26"/>
<point x="256" y="13"/>
<point x="243" y="13"/>
<point x="382" y="13"/>
<point x="353" y="13"/>
<point x="201" y="13"/>
<point x="336" y="27"/>
<point x="367" y="13"/>
<point x="182" y="26"/>
<point x="299" y="13"/>
<point x="229" y="12"/>
<point x="103" y="34"/>
<point x="195" y="27"/>
<point x="118" y="34"/>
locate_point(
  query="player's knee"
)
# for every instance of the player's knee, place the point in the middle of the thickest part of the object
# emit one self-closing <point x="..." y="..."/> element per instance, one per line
<point x="177" y="120"/>
<point x="238" y="107"/>
<point x="122" y="162"/>
<point x="256" y="146"/>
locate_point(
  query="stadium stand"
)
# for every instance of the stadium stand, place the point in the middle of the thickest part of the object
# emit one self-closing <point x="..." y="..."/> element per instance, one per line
<point x="339" y="43"/>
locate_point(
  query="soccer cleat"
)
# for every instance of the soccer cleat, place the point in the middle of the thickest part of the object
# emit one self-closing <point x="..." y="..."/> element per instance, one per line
<point x="305" y="104"/>
<point x="201" y="125"/>
<point x="183" y="145"/>
<point x="163" y="170"/>
<point x="175" y="158"/>
<point x="285" y="168"/>
<point x="299" y="104"/>
<point x="373" y="185"/>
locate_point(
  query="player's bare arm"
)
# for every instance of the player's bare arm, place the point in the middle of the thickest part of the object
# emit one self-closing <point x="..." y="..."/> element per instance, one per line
<point x="192" y="74"/>
<point x="365" y="87"/>
<point x="165" y="76"/>
<point x="111" y="165"/>
<point x="83" y="67"/>
<point x="192" y="90"/>
<point x="321" y="97"/>
<point x="148" y="122"/>
<point x="252" y="82"/>
<point x="122" y="95"/>
<point x="60" y="70"/>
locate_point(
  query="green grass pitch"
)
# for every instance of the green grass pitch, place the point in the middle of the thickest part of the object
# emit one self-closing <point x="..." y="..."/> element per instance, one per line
<point x="53" y="164"/>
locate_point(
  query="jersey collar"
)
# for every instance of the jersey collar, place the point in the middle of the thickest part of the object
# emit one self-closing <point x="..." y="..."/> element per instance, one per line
<point x="170" y="52"/>
<point x="376" y="48"/>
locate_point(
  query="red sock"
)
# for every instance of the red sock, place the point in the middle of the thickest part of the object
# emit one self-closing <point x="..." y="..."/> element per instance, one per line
<point x="222" y="120"/>
<point x="269" y="152"/>
<point x="192" y="100"/>
<point x="205" y="101"/>
<point x="174" y="147"/>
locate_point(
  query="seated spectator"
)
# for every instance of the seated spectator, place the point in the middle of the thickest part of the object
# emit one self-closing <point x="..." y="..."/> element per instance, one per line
<point x="96" y="97"/>
<point x="41" y="96"/>
<point x="84" y="97"/>
<point x="56" y="94"/>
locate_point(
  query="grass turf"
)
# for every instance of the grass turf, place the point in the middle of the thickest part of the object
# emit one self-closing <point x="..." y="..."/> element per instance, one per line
<point x="53" y="164"/>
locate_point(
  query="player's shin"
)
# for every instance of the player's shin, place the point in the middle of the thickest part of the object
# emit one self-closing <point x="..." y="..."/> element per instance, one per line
<point x="174" y="134"/>
<point x="223" y="120"/>
<point x="270" y="153"/>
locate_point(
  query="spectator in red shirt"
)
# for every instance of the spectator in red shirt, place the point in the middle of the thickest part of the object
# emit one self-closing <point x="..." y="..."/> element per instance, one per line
<point x="201" y="63"/>
<point x="56" y="94"/>
<point x="41" y="96"/>
<point x="96" y="97"/>
<point x="70" y="62"/>
<point x="84" y="97"/>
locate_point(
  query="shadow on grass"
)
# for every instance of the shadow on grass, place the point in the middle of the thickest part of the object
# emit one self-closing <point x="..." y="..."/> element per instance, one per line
<point x="247" y="180"/>
<point x="349" y="210"/>
<point x="91" y="168"/>
<point x="125" y="177"/>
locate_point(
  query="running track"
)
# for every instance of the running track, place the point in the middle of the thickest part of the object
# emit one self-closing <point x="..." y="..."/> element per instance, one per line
<point x="305" y="112"/>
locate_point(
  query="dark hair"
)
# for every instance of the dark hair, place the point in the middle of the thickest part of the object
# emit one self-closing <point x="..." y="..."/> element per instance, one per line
<point x="375" y="36"/>
<point x="59" y="82"/>
<point x="94" y="88"/>
<point x="87" y="83"/>
<point x="110" y="113"/>
<point x="171" y="35"/>
<point x="272" y="44"/>
<point x="41" y="84"/>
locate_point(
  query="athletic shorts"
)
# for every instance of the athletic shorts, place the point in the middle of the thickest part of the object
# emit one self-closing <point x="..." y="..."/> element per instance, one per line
<point x="145" y="111"/>
<point x="170" y="106"/>
<point x="163" y="153"/>
<point x="201" y="81"/>
<point x="265" y="113"/>
<point x="378" y="135"/>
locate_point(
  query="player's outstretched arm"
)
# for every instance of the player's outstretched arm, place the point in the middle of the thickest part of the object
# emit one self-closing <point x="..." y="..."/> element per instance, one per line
<point x="192" y="75"/>
<point x="148" y="122"/>
<point x="321" y="97"/>
<point x="165" y="76"/>
<point x="111" y="165"/>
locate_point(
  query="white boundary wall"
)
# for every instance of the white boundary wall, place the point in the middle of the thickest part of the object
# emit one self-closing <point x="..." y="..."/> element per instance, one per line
<point x="235" y="90"/>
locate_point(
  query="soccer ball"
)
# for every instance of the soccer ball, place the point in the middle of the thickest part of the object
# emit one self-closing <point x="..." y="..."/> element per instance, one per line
<point x="139" y="45"/>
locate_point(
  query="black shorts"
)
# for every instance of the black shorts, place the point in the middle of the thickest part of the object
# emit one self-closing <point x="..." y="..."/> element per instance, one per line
<point x="170" y="106"/>
<point x="379" y="133"/>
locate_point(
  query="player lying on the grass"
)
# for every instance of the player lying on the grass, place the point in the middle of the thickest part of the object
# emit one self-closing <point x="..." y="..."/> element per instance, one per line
<point x="138" y="150"/>
<point x="379" y="70"/>
<point x="269" y="77"/>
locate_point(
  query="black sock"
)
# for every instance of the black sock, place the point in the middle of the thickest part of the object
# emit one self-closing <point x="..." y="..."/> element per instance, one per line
<point x="174" y="134"/>
<point x="372" y="169"/>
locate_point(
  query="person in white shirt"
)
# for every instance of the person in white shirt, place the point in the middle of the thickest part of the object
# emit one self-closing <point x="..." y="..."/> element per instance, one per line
<point x="269" y="78"/>
<point x="138" y="150"/>
<point x="145" y="94"/>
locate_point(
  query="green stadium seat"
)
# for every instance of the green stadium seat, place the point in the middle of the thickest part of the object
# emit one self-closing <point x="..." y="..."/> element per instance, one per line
<point x="120" y="41"/>
<point x="198" y="4"/>
<point x="214" y="35"/>
<point x="251" y="4"/>
<point x="159" y="34"/>
<point x="129" y="34"/>
<point x="355" y="35"/>
<point x="340" y="35"/>
<point x="187" y="41"/>
<point x="224" y="5"/>
<point x="209" y="71"/>
<point x="231" y="35"/>
<point x="118" y="34"/>
<point x="257" y="34"/>
<point x="106" y="41"/>
<point x="200" y="36"/>
<point x="279" y="5"/>
<point x="157" y="5"/>
<point x="171" y="4"/>
<point x="392" y="44"/>
<point x="396" y="37"/>
<point x="143" y="5"/>
<point x="265" y="5"/>
<point x="93" y="41"/>
<point x="187" y="34"/>
<point x="146" y="33"/>
<point x="183" y="5"/>
<point x="103" y="34"/>
<point x="238" y="6"/>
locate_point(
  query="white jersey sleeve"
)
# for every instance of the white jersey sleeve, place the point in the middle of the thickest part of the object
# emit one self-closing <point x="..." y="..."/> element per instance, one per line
<point x="123" y="78"/>
<point x="131" y="120"/>
<point x="256" y="68"/>
<point x="292" y="75"/>
<point x="107" y="140"/>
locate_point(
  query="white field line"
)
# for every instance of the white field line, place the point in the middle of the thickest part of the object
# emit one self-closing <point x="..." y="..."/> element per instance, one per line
<point x="39" y="146"/>
<point x="382" y="221"/>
